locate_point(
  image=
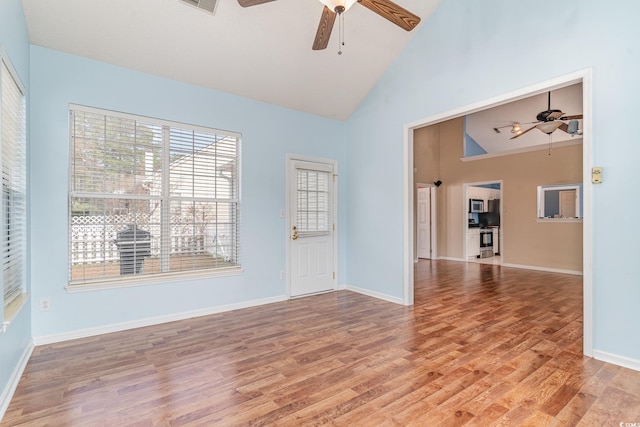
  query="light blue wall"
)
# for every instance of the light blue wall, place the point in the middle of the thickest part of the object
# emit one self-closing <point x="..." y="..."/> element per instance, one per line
<point x="471" y="146"/>
<point x="468" y="51"/>
<point x="15" y="42"/>
<point x="268" y="134"/>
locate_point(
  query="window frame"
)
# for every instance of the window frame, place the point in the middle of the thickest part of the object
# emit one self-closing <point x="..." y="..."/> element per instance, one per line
<point x="542" y="189"/>
<point x="10" y="308"/>
<point x="167" y="127"/>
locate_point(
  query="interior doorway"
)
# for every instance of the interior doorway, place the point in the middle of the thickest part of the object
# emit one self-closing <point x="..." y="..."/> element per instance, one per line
<point x="484" y="222"/>
<point x="584" y="77"/>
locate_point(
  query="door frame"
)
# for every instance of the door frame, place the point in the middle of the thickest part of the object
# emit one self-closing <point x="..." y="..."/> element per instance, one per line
<point x="585" y="77"/>
<point x="465" y="217"/>
<point x="290" y="158"/>
<point x="433" y="233"/>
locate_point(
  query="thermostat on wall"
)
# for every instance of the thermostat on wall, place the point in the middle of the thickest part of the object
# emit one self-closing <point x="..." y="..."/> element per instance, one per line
<point x="596" y="175"/>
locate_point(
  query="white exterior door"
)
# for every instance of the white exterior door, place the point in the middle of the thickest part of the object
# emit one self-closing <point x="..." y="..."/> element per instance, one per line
<point x="424" y="223"/>
<point x="311" y="227"/>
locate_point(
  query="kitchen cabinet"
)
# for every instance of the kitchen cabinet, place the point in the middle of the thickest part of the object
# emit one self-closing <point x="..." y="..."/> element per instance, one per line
<point x="493" y="194"/>
<point x="473" y="242"/>
<point x="489" y="194"/>
<point x="484" y="194"/>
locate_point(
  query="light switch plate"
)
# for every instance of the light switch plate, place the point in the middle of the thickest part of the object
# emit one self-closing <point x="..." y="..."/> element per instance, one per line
<point x="596" y="175"/>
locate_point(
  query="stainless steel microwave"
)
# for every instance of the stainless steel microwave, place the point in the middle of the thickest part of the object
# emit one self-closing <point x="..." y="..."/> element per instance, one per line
<point x="476" y="205"/>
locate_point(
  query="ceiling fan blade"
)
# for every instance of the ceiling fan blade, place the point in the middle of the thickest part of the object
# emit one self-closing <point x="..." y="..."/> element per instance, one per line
<point x="574" y="117"/>
<point x="324" y="29"/>
<point x="392" y="12"/>
<point x="564" y="127"/>
<point x="523" y="132"/>
<point x="248" y="3"/>
<point x="554" y="115"/>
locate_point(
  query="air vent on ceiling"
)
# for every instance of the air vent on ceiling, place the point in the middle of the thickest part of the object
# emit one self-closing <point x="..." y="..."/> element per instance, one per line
<point x="208" y="5"/>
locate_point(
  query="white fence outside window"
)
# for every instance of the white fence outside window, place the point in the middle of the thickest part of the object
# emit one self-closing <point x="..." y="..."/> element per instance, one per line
<point x="93" y="237"/>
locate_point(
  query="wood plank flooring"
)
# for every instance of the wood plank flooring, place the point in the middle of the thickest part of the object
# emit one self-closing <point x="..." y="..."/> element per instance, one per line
<point x="482" y="346"/>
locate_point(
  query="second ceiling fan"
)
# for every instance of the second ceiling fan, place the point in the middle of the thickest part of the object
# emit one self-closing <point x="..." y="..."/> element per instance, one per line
<point x="385" y="8"/>
<point x="550" y="120"/>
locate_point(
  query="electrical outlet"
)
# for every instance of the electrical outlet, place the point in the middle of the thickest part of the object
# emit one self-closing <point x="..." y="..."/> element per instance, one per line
<point x="45" y="304"/>
<point x="282" y="275"/>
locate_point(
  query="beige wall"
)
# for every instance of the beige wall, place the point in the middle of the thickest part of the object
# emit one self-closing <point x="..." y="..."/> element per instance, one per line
<point x="437" y="153"/>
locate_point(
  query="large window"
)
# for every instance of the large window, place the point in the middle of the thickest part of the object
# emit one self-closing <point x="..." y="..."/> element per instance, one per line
<point x="13" y="141"/>
<point x="150" y="197"/>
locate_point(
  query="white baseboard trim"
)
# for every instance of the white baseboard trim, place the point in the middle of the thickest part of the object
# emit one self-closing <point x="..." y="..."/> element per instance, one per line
<point x="449" y="258"/>
<point x="11" y="386"/>
<point x="547" y="269"/>
<point x="341" y="287"/>
<point x="116" y="327"/>
<point x="526" y="267"/>
<point x="375" y="294"/>
<point x="625" y="362"/>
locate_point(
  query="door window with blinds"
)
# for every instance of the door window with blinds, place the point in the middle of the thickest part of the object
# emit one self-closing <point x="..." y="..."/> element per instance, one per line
<point x="150" y="197"/>
<point x="13" y="142"/>
<point x="313" y="207"/>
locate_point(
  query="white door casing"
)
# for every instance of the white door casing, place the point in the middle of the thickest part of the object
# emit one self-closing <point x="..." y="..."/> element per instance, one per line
<point x="311" y="226"/>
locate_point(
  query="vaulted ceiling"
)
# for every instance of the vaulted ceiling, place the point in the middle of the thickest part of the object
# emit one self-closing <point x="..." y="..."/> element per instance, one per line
<point x="481" y="125"/>
<point x="261" y="52"/>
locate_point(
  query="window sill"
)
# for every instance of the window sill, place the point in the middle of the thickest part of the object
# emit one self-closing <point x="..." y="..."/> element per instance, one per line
<point x="12" y="310"/>
<point x="155" y="279"/>
<point x="559" y="219"/>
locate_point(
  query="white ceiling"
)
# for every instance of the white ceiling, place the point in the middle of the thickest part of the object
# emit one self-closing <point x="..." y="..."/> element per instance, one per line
<point x="261" y="52"/>
<point x="480" y="125"/>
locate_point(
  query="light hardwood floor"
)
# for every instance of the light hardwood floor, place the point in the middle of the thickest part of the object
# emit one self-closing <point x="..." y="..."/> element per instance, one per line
<point x="482" y="346"/>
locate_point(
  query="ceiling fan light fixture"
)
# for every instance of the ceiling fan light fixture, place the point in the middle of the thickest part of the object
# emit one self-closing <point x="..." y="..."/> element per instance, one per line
<point x="515" y="128"/>
<point x="549" y="127"/>
<point x="339" y="6"/>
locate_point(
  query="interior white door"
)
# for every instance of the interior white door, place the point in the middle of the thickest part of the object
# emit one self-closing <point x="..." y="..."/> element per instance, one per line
<point x="424" y="223"/>
<point x="567" y="204"/>
<point x="312" y="233"/>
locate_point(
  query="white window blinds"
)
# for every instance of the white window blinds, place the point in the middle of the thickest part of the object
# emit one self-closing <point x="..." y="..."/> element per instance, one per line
<point x="313" y="209"/>
<point x="13" y="139"/>
<point x="149" y="196"/>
